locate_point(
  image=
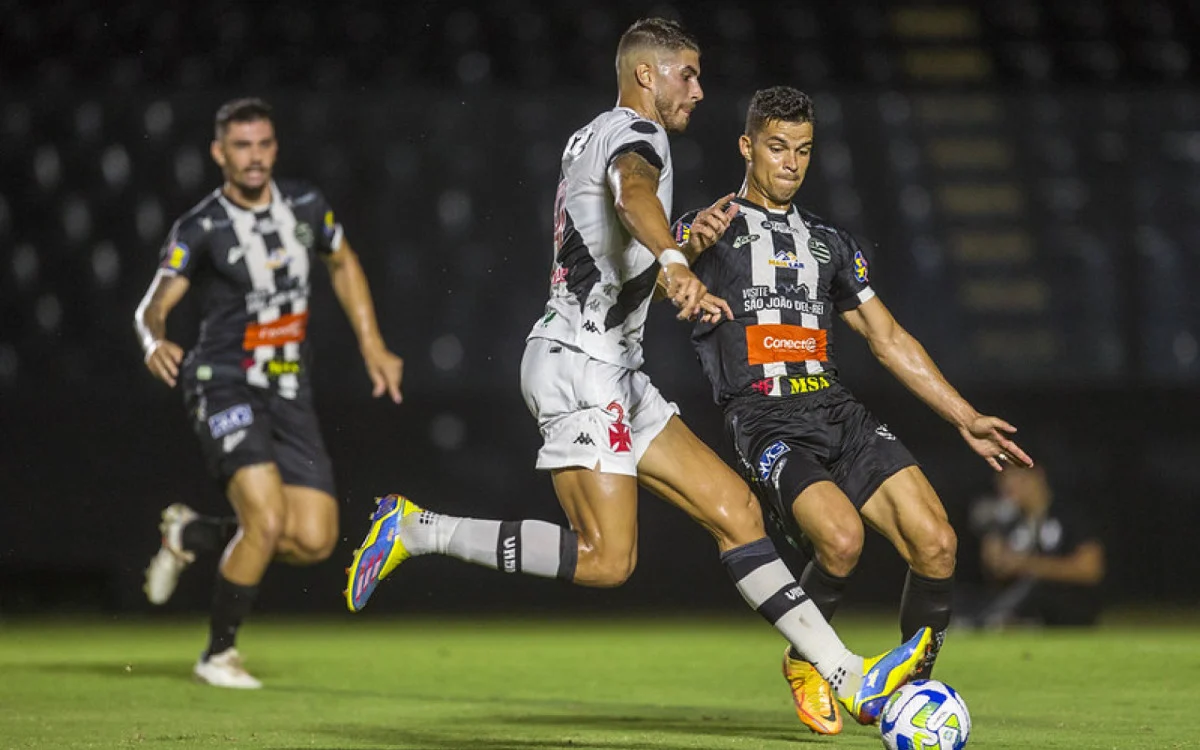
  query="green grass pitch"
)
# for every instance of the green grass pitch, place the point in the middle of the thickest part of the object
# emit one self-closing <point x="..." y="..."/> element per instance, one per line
<point x="621" y="684"/>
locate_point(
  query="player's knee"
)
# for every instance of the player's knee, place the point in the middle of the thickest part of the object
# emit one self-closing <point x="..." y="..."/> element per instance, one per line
<point x="609" y="568"/>
<point x="935" y="552"/>
<point x="737" y="520"/>
<point x="262" y="527"/>
<point x="838" y="550"/>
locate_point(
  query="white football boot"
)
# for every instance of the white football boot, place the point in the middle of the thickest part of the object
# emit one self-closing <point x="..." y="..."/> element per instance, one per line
<point x="225" y="670"/>
<point x="162" y="575"/>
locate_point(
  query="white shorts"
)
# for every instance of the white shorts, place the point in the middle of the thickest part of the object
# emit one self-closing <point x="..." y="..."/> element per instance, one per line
<point x="591" y="414"/>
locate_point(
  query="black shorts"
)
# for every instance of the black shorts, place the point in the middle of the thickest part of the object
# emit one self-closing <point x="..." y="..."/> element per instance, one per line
<point x="239" y="425"/>
<point x="784" y="444"/>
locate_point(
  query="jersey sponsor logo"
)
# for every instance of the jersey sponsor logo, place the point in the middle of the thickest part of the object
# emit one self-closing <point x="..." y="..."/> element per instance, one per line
<point x="276" y="367"/>
<point x="756" y="298"/>
<point x="790" y="385"/>
<point x="258" y="300"/>
<point x="819" y="250"/>
<point x="230" y="420"/>
<point x="766" y="461"/>
<point x="277" y="259"/>
<point x="780" y="227"/>
<point x="785" y="259"/>
<point x="177" y="258"/>
<point x="683" y="232"/>
<point x="290" y="329"/>
<point x="744" y="239"/>
<point x="860" y="267"/>
<point x="620" y="437"/>
<point x="774" y="342"/>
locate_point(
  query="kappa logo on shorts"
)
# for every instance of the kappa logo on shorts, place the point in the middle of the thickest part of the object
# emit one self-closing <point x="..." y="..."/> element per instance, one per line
<point x="584" y="439"/>
<point x="620" y="437"/>
<point x="590" y="327"/>
<point x="766" y="462"/>
<point x="230" y="420"/>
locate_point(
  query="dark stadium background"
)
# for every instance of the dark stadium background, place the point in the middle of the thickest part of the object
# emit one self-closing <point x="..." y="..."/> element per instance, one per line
<point x="1025" y="174"/>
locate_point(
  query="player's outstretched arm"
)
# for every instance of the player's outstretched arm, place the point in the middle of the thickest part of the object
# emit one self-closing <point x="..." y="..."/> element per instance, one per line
<point x="385" y="369"/>
<point x="634" y="184"/>
<point x="906" y="359"/>
<point x="162" y="357"/>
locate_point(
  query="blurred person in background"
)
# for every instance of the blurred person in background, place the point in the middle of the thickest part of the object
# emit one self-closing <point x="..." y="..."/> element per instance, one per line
<point x="1043" y="554"/>
<point x="819" y="461"/>
<point x="606" y="428"/>
<point x="248" y="248"/>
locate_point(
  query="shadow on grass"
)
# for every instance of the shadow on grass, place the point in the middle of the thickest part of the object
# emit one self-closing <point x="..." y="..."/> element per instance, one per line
<point x="504" y="731"/>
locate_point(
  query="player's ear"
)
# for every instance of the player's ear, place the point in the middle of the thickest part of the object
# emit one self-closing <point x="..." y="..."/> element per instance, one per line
<point x="217" y="154"/>
<point x="644" y="74"/>
<point x="744" y="144"/>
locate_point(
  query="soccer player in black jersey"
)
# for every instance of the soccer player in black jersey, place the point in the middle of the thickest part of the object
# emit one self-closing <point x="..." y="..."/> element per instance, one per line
<point x="248" y="248"/>
<point x="817" y="459"/>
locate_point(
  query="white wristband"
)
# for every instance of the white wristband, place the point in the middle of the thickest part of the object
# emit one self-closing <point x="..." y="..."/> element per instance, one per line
<point x="667" y="257"/>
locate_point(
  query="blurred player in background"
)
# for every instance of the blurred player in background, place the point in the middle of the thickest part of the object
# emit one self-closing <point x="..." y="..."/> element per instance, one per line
<point x="606" y="427"/>
<point x="818" y="460"/>
<point x="248" y="248"/>
<point x="1044" y="552"/>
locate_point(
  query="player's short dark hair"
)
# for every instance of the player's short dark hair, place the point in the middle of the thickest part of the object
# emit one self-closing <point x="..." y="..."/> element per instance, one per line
<point x="247" y="109"/>
<point x="656" y="32"/>
<point x="782" y="103"/>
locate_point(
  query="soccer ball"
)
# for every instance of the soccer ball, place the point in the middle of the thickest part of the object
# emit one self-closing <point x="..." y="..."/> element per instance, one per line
<point x="925" y="715"/>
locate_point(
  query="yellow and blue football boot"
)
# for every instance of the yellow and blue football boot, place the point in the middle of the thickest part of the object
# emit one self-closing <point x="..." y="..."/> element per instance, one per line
<point x="381" y="551"/>
<point x="884" y="674"/>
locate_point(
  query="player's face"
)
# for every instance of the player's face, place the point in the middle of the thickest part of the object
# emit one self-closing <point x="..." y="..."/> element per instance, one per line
<point x="246" y="154"/>
<point x="677" y="88"/>
<point x="777" y="158"/>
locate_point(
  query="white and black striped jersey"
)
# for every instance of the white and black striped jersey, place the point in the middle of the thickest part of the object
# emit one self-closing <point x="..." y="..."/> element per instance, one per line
<point x="602" y="279"/>
<point x="784" y="275"/>
<point x="250" y="271"/>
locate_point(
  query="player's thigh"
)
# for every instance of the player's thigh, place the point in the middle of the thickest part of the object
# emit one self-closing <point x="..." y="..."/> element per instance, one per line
<point x="907" y="510"/>
<point x="832" y="525"/>
<point x="602" y="509"/>
<point x="678" y="467"/>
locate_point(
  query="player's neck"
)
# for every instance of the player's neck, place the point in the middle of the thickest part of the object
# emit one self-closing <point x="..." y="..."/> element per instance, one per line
<point x="752" y="194"/>
<point x="249" y="201"/>
<point x="638" y="103"/>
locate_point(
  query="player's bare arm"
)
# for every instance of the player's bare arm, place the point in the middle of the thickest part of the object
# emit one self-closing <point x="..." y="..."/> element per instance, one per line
<point x="706" y="228"/>
<point x="634" y="183"/>
<point x="385" y="369"/>
<point x="908" y="361"/>
<point x="162" y="357"/>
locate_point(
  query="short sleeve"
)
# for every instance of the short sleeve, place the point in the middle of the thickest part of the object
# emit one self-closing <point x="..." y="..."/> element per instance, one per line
<point x="183" y="248"/>
<point x="642" y="137"/>
<point x="851" y="285"/>
<point x="328" y="236"/>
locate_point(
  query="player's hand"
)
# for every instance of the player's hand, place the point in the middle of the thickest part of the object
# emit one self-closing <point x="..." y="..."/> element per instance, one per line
<point x="710" y="225"/>
<point x="988" y="436"/>
<point x="386" y="370"/>
<point x="685" y="291"/>
<point x="713" y="308"/>
<point x="162" y="360"/>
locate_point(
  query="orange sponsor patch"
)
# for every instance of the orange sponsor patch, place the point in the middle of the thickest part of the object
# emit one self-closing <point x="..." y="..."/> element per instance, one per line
<point x="289" y="329"/>
<point x="783" y="343"/>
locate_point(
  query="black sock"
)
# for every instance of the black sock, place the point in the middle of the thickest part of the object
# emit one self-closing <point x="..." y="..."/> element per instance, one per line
<point x="926" y="603"/>
<point x="824" y="588"/>
<point x="231" y="604"/>
<point x="208" y="533"/>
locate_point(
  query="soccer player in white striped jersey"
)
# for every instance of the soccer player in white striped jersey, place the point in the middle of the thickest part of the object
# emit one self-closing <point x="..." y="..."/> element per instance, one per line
<point x="605" y="426"/>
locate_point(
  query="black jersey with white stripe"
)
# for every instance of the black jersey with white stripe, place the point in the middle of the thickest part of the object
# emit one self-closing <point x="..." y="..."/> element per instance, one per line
<point x="784" y="275"/>
<point x="249" y="268"/>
